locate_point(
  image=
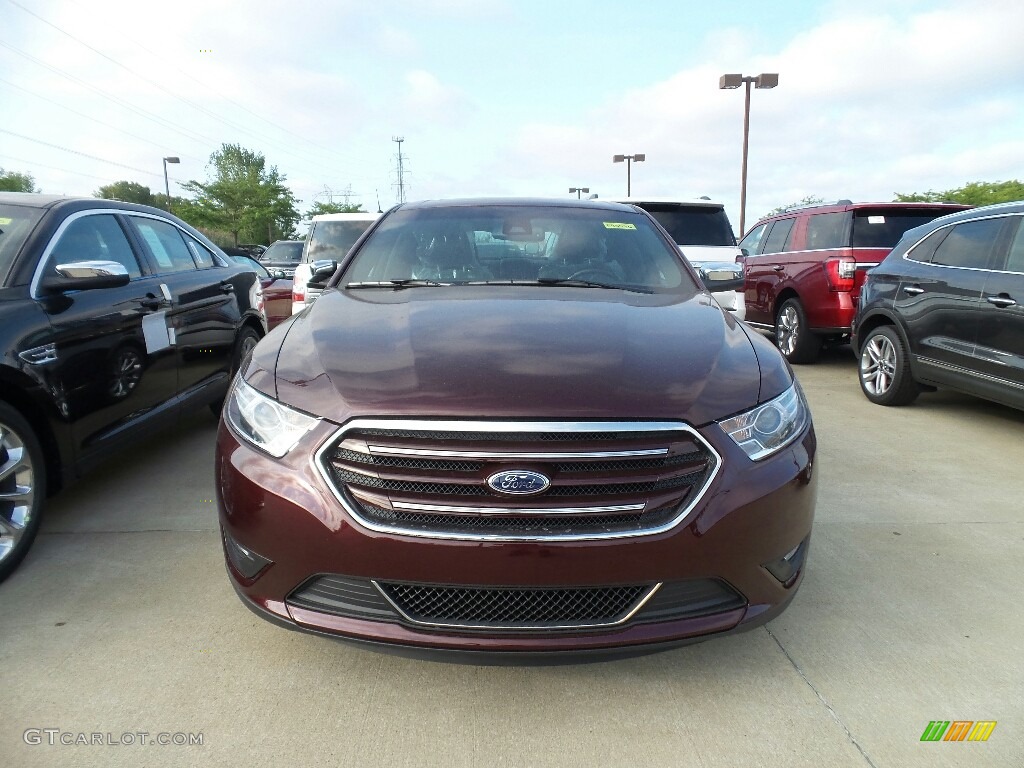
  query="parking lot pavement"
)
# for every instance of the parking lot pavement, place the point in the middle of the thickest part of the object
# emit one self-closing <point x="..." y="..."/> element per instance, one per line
<point x="121" y="620"/>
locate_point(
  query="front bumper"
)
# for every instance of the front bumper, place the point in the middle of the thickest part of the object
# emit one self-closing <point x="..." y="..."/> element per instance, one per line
<point x="753" y="514"/>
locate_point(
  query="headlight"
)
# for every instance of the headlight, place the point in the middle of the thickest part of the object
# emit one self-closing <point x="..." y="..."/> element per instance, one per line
<point x="769" y="427"/>
<point x="263" y="421"/>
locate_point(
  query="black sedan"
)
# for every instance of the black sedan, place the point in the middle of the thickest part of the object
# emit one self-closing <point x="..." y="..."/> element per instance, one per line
<point x="946" y="309"/>
<point x="113" y="319"/>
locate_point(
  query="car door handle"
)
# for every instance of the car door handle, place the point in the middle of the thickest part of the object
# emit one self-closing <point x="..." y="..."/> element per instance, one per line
<point x="1002" y="300"/>
<point x="226" y="286"/>
<point x="913" y="290"/>
<point x="778" y="268"/>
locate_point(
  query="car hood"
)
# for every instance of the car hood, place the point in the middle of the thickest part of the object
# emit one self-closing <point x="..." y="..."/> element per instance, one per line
<point x="516" y="352"/>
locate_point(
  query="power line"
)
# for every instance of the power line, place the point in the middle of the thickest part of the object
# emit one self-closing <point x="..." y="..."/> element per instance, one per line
<point x="85" y="154"/>
<point x="161" y="147"/>
<point x="34" y="164"/>
<point x="192" y="135"/>
<point x="154" y="84"/>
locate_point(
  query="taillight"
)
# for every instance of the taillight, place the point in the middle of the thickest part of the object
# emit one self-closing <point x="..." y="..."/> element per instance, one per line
<point x="840" y="272"/>
<point x="298" y="292"/>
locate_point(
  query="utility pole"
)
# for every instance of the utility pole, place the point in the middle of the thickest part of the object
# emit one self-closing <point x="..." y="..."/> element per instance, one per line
<point x="400" y="168"/>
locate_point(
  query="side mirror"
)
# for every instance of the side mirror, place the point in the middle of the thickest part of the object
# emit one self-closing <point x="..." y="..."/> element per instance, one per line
<point x="718" y="285"/>
<point x="323" y="270"/>
<point x="84" y="275"/>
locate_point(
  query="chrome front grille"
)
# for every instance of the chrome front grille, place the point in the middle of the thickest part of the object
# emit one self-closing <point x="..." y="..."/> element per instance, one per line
<point x="430" y="478"/>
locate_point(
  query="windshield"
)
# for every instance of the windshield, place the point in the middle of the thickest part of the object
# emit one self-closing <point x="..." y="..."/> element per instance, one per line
<point x="286" y="252"/>
<point x="16" y="222"/>
<point x="693" y="225"/>
<point x="332" y="239"/>
<point x="519" y="244"/>
<point x="883" y="228"/>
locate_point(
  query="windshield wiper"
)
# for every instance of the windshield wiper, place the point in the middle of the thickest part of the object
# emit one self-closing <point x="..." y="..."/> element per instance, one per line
<point x="395" y="284"/>
<point x="576" y="283"/>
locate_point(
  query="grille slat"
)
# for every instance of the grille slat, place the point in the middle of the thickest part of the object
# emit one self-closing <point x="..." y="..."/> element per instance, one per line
<point x="660" y="469"/>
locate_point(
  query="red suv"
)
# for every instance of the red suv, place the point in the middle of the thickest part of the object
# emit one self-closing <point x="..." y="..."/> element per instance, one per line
<point x="804" y="267"/>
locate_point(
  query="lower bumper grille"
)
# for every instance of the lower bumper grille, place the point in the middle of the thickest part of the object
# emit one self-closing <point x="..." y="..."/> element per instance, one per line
<point x="514" y="609"/>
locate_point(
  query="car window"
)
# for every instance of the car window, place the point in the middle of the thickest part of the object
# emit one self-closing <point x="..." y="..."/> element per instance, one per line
<point x="524" y="244"/>
<point x="883" y="227"/>
<point x="166" y="245"/>
<point x="826" y="230"/>
<point x="333" y="239"/>
<point x="753" y="239"/>
<point x="693" y="224"/>
<point x="289" y="252"/>
<point x="969" y="244"/>
<point x="779" y="236"/>
<point x="95" y="237"/>
<point x="925" y="250"/>
<point x="16" y="223"/>
<point x="203" y="256"/>
<point x="250" y="263"/>
<point x="1015" y="259"/>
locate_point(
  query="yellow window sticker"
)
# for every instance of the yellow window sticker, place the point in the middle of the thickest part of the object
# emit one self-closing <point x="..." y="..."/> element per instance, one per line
<point x="618" y="225"/>
<point x="4" y="222"/>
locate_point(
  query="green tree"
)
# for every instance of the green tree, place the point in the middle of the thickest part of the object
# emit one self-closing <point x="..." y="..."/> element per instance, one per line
<point x="972" y="193"/>
<point x="320" y="208"/>
<point x="128" y="192"/>
<point x="12" y="181"/>
<point x="242" y="196"/>
<point x="803" y="203"/>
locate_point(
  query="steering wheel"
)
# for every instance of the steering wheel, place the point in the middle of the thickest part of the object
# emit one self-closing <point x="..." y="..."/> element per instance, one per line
<point x="593" y="271"/>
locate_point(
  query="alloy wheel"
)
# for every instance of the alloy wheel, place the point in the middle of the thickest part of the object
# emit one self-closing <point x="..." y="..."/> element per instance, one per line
<point x="878" y="365"/>
<point x="17" y="490"/>
<point x="788" y="329"/>
<point x="248" y="345"/>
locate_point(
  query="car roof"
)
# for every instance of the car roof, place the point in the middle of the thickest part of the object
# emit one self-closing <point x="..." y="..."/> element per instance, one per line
<point x="981" y="212"/>
<point x="359" y="216"/>
<point x="641" y="201"/>
<point x="522" y="202"/>
<point x="849" y="206"/>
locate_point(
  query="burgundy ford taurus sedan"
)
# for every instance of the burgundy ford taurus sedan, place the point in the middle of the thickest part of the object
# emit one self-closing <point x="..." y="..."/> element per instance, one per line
<point x="516" y="427"/>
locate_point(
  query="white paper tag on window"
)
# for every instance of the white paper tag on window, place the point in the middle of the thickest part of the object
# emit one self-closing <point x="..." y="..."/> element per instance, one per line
<point x="156" y="332"/>
<point x="876" y="219"/>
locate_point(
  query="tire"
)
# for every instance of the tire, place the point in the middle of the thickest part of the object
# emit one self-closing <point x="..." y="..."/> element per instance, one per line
<point x="244" y="345"/>
<point x="884" y="369"/>
<point x="22" y="488"/>
<point x="792" y="334"/>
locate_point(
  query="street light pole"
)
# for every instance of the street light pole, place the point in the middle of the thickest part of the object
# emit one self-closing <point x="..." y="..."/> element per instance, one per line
<point x="579" y="191"/>
<point x="167" y="184"/>
<point x="629" y="159"/>
<point x="729" y="82"/>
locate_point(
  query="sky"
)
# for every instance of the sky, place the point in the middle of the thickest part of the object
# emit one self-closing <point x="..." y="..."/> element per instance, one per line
<point x="517" y="97"/>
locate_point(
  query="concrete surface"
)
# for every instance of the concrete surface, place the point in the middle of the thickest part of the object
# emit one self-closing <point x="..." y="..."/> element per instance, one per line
<point x="121" y="619"/>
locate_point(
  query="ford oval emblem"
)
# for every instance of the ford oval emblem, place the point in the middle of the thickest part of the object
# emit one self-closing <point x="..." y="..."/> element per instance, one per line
<point x="519" y="482"/>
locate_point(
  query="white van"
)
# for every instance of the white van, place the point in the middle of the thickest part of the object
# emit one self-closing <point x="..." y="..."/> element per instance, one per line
<point x="331" y="235"/>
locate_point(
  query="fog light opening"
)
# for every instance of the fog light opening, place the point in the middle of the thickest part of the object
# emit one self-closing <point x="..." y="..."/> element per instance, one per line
<point x="788" y="567"/>
<point x="247" y="564"/>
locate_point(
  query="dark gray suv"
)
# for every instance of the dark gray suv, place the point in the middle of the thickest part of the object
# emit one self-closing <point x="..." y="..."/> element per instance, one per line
<point x="946" y="309"/>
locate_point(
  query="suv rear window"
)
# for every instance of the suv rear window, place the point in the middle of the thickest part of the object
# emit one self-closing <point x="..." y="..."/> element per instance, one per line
<point x="693" y="224"/>
<point x="333" y="239"/>
<point x="883" y="228"/>
<point x="16" y="222"/>
<point x="284" y="252"/>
